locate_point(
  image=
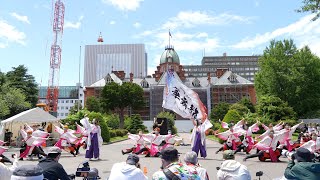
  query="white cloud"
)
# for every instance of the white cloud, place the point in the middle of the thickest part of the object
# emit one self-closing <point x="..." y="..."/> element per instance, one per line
<point x="189" y="19"/>
<point x="112" y="22"/>
<point x="136" y="25"/>
<point x="73" y="25"/>
<point x="20" y="17"/>
<point x="124" y="5"/>
<point x="185" y="41"/>
<point x="303" y="32"/>
<point x="9" y="33"/>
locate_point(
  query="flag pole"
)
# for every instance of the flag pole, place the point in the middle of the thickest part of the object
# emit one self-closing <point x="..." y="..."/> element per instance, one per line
<point x="169" y="37"/>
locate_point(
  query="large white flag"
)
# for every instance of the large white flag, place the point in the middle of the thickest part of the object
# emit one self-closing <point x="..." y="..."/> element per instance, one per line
<point x="182" y="100"/>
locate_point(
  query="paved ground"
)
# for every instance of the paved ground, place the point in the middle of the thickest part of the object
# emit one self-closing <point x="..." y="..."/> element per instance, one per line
<point x="111" y="154"/>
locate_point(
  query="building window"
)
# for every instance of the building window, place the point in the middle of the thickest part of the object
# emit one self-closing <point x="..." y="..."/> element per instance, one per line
<point x="66" y="114"/>
<point x="80" y="95"/>
<point x="108" y="79"/>
<point x="62" y="101"/>
<point x="196" y="83"/>
<point x="71" y="101"/>
<point x="144" y="84"/>
<point x="58" y="107"/>
<point x="232" y="78"/>
<point x="67" y="107"/>
<point x="62" y="107"/>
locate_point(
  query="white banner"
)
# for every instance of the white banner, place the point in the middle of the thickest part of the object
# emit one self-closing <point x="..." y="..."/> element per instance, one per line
<point x="182" y="100"/>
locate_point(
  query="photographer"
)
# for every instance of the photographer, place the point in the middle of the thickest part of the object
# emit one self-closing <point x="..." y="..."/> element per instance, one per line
<point x="304" y="168"/>
<point x="127" y="170"/>
<point x="52" y="169"/>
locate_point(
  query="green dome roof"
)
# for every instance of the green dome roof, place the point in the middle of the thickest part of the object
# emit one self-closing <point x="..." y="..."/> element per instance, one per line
<point x="169" y="55"/>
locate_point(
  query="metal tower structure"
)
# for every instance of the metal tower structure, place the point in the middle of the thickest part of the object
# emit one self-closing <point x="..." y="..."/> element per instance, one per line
<point x="55" y="58"/>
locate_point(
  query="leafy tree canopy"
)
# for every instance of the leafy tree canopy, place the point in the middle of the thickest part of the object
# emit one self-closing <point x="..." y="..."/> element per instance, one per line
<point x="219" y="111"/>
<point x="241" y="109"/>
<point x="274" y="108"/>
<point x="246" y="102"/>
<point x="232" y="116"/>
<point x="291" y="74"/>
<point x="312" y="6"/>
<point x="93" y="104"/>
<point x="20" y="79"/>
<point x="118" y="97"/>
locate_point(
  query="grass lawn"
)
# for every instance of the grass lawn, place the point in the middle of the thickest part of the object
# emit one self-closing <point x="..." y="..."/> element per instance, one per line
<point x="118" y="138"/>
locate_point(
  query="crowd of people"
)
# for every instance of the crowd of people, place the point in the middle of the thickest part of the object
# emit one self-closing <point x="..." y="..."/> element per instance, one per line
<point x="303" y="154"/>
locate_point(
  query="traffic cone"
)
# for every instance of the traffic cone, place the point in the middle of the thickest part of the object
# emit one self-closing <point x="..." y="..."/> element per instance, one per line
<point x="145" y="170"/>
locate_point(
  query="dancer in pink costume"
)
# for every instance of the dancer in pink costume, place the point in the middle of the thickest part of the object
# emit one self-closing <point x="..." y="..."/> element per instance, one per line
<point x="67" y="140"/>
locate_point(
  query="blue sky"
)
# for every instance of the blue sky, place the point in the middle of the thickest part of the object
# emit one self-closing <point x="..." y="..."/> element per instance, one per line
<point x="238" y="27"/>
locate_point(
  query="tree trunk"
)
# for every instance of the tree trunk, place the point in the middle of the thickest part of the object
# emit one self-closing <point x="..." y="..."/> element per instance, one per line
<point x="121" y="116"/>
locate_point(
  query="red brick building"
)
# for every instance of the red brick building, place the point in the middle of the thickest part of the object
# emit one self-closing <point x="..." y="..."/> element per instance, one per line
<point x="223" y="86"/>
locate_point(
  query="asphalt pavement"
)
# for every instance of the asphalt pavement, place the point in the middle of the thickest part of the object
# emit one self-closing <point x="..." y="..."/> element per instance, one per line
<point x="111" y="154"/>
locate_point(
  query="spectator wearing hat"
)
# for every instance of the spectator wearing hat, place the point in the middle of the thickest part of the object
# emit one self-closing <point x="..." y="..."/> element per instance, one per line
<point x="191" y="160"/>
<point x="127" y="170"/>
<point x="27" y="172"/>
<point x="304" y="168"/>
<point x="231" y="169"/>
<point x="52" y="169"/>
<point x="172" y="169"/>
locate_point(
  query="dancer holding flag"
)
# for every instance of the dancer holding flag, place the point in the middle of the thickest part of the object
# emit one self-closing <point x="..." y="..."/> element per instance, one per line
<point x="185" y="102"/>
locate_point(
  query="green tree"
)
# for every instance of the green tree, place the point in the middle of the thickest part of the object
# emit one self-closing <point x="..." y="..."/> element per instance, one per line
<point x="136" y="124"/>
<point x="74" y="108"/>
<point x="20" y="79"/>
<point x="232" y="115"/>
<point x="312" y="6"/>
<point x="15" y="100"/>
<point x="246" y="102"/>
<point x="219" y="111"/>
<point x="93" y="104"/>
<point x="274" y="109"/>
<point x="4" y="109"/>
<point x="119" y="97"/>
<point x="290" y="74"/>
<point x="241" y="109"/>
<point x="112" y="121"/>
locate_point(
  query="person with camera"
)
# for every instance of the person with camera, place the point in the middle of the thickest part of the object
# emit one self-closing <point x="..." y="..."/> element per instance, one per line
<point x="127" y="170"/>
<point x="231" y="169"/>
<point x="302" y="167"/>
<point x="172" y="169"/>
<point x="52" y="169"/>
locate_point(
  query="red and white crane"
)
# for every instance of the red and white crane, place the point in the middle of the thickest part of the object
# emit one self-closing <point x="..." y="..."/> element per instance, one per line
<point x="55" y="58"/>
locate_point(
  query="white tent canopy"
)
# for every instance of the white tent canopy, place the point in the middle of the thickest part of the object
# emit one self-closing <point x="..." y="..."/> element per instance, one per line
<point x="35" y="115"/>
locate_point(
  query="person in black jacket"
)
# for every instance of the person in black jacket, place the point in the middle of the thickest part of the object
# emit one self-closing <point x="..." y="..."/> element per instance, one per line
<point x="52" y="169"/>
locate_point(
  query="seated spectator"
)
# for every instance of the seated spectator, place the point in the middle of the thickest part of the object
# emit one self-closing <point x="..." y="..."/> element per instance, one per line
<point x="127" y="170"/>
<point x="52" y="169"/>
<point x="172" y="169"/>
<point x="5" y="171"/>
<point x="27" y="172"/>
<point x="231" y="169"/>
<point x="191" y="160"/>
<point x="304" y="168"/>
